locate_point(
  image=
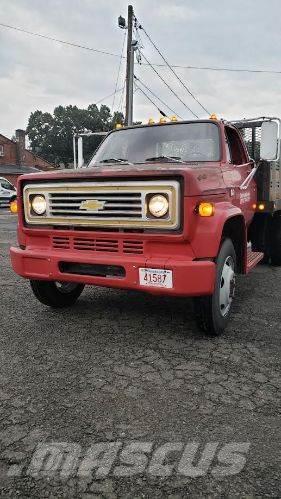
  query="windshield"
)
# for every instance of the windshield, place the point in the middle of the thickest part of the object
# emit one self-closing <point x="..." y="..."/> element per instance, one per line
<point x="191" y="142"/>
<point x="7" y="185"/>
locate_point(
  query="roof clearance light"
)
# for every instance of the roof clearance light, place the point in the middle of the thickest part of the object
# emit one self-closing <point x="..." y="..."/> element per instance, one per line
<point x="206" y="209"/>
<point x="151" y="121"/>
<point x="162" y="120"/>
<point x="174" y="118"/>
<point x="118" y="125"/>
<point x="214" y="117"/>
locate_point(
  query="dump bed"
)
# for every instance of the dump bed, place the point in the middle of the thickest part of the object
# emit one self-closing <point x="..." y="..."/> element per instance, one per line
<point x="269" y="173"/>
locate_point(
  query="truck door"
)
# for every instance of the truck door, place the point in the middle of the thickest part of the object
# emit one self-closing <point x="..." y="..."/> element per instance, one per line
<point x="236" y="170"/>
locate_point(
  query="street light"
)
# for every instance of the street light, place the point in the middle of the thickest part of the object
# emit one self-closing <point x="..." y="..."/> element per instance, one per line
<point x="122" y="22"/>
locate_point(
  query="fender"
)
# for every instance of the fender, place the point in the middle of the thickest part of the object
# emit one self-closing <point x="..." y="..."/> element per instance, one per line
<point x="208" y="231"/>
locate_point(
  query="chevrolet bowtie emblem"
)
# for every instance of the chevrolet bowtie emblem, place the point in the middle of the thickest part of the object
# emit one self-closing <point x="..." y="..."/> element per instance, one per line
<point x="92" y="205"/>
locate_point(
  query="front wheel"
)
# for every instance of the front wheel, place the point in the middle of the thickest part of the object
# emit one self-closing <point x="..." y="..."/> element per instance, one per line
<point x="56" y="294"/>
<point x="213" y="312"/>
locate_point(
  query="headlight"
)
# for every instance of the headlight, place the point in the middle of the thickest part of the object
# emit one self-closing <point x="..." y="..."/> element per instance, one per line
<point x="158" y="206"/>
<point x="38" y="204"/>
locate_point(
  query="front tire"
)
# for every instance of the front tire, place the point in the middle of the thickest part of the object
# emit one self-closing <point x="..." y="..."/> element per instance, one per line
<point x="56" y="294"/>
<point x="213" y="312"/>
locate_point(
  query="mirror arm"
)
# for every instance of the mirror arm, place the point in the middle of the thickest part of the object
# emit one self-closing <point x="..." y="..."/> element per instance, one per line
<point x="251" y="175"/>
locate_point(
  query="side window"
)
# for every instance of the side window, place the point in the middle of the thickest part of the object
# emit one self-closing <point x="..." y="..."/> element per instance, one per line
<point x="1" y="150"/>
<point x="228" y="154"/>
<point x="237" y="152"/>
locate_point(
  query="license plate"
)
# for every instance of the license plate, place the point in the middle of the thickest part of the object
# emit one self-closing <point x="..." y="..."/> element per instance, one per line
<point x="158" y="278"/>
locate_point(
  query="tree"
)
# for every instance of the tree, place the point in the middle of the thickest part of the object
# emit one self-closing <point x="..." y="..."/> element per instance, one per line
<point x="51" y="135"/>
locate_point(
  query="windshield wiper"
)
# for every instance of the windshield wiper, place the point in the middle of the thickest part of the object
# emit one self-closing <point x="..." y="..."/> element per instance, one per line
<point x="115" y="160"/>
<point x="176" y="159"/>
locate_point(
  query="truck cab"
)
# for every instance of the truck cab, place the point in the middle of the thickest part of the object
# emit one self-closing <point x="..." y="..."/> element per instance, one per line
<point x="169" y="208"/>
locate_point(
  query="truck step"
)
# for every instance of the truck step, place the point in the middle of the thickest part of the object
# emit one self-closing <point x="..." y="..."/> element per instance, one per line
<point x="253" y="258"/>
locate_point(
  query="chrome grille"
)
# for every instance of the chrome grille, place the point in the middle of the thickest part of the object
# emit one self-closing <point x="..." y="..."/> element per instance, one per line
<point x="103" y="204"/>
<point x="122" y="205"/>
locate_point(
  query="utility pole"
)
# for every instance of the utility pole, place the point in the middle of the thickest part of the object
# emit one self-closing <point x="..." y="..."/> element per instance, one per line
<point x="130" y="69"/>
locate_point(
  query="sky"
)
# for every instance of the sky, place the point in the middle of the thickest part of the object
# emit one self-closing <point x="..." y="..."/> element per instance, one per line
<point x="40" y="74"/>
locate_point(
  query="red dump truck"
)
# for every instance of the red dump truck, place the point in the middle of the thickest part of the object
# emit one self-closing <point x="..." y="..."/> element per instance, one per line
<point x="170" y="208"/>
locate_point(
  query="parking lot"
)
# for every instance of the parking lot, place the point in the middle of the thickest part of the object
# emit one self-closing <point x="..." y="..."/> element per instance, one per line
<point x="124" y="367"/>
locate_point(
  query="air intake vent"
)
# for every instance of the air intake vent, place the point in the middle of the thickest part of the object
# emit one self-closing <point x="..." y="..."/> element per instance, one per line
<point x="61" y="242"/>
<point x="108" y="245"/>
<point x="127" y="246"/>
<point x="133" y="247"/>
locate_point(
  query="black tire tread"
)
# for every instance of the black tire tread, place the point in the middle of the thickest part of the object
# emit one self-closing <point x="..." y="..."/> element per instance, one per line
<point x="48" y="294"/>
<point x="203" y="305"/>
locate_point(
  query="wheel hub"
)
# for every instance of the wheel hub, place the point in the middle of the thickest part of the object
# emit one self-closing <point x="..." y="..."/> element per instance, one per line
<point x="227" y="286"/>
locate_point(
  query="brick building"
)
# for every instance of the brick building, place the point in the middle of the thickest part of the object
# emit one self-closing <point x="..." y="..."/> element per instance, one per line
<point x="15" y="159"/>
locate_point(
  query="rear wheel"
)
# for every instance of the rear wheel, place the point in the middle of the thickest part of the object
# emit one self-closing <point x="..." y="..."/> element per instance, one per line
<point x="56" y="294"/>
<point x="275" y="239"/>
<point x="213" y="312"/>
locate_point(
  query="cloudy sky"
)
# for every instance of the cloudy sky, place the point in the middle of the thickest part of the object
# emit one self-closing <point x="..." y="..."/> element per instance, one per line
<point x="41" y="74"/>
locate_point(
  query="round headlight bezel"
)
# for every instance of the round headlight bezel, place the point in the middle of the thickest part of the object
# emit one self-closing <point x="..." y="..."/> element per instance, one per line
<point x="158" y="212"/>
<point x="35" y="209"/>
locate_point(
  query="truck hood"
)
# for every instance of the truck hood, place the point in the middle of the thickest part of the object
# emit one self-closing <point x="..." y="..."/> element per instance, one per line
<point x="198" y="178"/>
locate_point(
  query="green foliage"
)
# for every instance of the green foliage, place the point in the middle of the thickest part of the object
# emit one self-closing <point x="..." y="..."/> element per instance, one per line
<point x="51" y="135"/>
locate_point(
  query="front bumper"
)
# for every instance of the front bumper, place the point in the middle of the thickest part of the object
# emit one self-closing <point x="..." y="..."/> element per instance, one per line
<point x="190" y="277"/>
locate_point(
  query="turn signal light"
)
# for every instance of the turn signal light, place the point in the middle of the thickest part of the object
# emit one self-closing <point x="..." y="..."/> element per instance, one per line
<point x="206" y="209"/>
<point x="14" y="206"/>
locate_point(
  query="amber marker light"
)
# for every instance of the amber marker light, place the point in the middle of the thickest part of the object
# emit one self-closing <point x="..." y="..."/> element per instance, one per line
<point x="14" y="207"/>
<point x="206" y="209"/>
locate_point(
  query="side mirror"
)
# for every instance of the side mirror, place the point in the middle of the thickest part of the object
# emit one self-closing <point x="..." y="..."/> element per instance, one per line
<point x="270" y="133"/>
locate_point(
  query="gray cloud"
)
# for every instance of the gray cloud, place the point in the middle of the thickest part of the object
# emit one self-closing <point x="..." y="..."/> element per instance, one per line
<point x="40" y="74"/>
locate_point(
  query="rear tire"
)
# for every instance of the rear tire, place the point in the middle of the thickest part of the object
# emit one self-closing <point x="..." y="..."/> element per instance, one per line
<point x="275" y="240"/>
<point x="213" y="312"/>
<point x="55" y="294"/>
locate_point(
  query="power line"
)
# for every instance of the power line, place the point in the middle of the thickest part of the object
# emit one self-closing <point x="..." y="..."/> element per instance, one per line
<point x="167" y="85"/>
<point x="150" y="100"/>
<point x="173" y="71"/>
<point x="72" y="44"/>
<point x="119" y="68"/>
<point x="85" y="47"/>
<point x="156" y="96"/>
<point x="209" y="68"/>
<point x="108" y="96"/>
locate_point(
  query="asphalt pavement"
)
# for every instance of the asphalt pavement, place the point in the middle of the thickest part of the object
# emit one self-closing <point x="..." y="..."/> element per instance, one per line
<point x="122" y="396"/>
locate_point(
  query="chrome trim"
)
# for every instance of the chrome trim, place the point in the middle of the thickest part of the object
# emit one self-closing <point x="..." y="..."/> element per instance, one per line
<point x="64" y="204"/>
